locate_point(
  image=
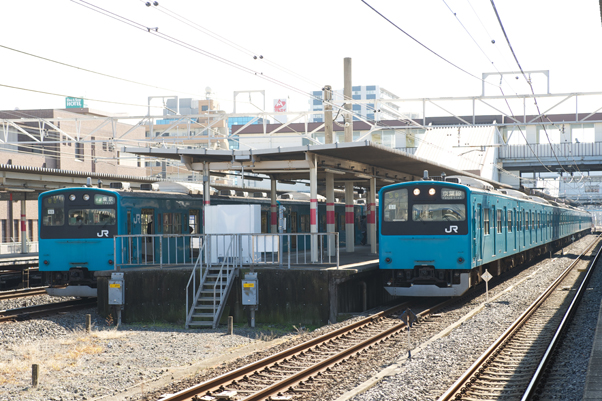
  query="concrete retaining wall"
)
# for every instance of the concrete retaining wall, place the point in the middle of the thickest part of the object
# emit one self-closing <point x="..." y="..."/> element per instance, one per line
<point x="296" y="296"/>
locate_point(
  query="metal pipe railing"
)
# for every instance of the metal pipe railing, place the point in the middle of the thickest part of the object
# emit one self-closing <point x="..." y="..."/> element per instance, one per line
<point x="282" y="250"/>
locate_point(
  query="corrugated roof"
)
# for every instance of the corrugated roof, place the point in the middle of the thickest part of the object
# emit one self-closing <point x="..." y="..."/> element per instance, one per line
<point x="407" y="166"/>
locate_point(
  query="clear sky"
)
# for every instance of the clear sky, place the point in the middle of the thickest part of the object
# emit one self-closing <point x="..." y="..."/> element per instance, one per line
<point x="303" y="44"/>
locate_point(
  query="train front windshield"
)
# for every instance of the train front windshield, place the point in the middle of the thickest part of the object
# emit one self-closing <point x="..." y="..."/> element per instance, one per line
<point x="78" y="215"/>
<point x="424" y="210"/>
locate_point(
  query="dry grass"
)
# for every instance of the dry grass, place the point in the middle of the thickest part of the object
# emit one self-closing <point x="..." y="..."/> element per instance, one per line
<point x="15" y="367"/>
<point x="108" y="334"/>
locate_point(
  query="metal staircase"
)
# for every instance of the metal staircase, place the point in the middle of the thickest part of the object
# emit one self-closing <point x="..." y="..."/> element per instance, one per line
<point x="210" y="282"/>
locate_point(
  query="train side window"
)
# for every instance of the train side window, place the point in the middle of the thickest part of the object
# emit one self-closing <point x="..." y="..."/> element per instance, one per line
<point x="129" y="219"/>
<point x="193" y="220"/>
<point x="264" y="221"/>
<point x="304" y="223"/>
<point x="146" y="221"/>
<point x="486" y="221"/>
<point x="533" y="220"/>
<point x="509" y="221"/>
<point x="526" y="220"/>
<point x="499" y="221"/>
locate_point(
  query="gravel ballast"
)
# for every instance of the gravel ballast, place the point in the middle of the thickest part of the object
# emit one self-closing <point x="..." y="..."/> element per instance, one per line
<point x="436" y="365"/>
<point x="75" y="365"/>
<point x="139" y="362"/>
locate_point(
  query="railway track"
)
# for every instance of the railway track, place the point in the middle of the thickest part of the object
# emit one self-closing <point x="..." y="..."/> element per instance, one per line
<point x="30" y="312"/>
<point x="513" y="365"/>
<point x="295" y="371"/>
<point x="27" y="292"/>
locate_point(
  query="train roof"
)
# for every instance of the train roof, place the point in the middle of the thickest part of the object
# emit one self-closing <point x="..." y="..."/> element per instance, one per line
<point x="477" y="186"/>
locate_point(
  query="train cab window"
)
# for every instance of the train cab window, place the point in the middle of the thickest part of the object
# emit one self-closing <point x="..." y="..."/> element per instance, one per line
<point x="396" y="205"/>
<point x="509" y="221"/>
<point x="499" y="221"/>
<point x="91" y="217"/>
<point x="53" y="210"/>
<point x="439" y="212"/>
<point x="486" y="221"/>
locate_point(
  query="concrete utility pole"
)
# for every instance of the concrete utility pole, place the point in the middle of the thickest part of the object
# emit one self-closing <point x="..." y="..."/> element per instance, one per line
<point x="328" y="135"/>
<point x="347" y="92"/>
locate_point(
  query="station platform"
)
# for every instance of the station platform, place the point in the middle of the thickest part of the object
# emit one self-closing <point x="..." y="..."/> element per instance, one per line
<point x="306" y="294"/>
<point x="593" y="380"/>
<point x="18" y="261"/>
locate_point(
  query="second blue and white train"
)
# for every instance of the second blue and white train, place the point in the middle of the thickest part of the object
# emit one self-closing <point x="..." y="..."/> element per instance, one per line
<point x="436" y="238"/>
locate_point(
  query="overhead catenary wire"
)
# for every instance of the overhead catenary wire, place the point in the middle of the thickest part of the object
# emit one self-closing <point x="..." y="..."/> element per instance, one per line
<point x="477" y="44"/>
<point x="192" y="47"/>
<point x="226" y="41"/>
<point x="526" y="79"/>
<point x="424" y="46"/>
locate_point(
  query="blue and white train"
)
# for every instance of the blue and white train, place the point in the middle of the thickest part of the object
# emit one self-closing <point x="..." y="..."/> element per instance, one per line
<point x="77" y="226"/>
<point x="436" y="238"/>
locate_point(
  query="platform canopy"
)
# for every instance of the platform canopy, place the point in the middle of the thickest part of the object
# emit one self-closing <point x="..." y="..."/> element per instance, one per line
<point x="349" y="161"/>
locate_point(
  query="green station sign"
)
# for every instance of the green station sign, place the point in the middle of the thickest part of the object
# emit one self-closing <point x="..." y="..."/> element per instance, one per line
<point x="74" y="103"/>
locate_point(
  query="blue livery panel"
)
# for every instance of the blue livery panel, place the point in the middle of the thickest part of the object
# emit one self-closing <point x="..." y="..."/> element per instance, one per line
<point x="437" y="237"/>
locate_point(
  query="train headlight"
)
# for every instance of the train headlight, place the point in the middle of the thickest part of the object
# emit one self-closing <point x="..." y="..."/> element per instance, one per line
<point x="72" y="197"/>
<point x="110" y="261"/>
<point x="416" y="192"/>
<point x="46" y="262"/>
<point x="86" y="197"/>
<point x="460" y="260"/>
<point x="432" y="191"/>
<point x="388" y="260"/>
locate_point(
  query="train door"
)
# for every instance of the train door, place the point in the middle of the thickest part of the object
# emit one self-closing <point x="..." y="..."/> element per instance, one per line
<point x="479" y="233"/>
<point x="536" y="224"/>
<point x="293" y="230"/>
<point x="130" y="246"/>
<point x="523" y="228"/>
<point x="531" y="224"/>
<point x="147" y="228"/>
<point x="507" y="228"/>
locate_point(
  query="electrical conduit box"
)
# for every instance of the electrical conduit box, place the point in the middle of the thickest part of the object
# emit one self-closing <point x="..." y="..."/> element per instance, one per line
<point x="116" y="289"/>
<point x="250" y="290"/>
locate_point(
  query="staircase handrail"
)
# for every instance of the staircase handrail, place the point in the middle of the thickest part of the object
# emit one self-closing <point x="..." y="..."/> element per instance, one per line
<point x="202" y="275"/>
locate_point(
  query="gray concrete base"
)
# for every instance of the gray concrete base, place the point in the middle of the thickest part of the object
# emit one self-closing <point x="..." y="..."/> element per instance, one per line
<point x="72" y="291"/>
<point x="300" y="296"/>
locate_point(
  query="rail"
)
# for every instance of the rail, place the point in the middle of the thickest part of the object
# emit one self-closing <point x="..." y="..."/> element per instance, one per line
<point x="469" y="377"/>
<point x="279" y="250"/>
<point x="545" y="360"/>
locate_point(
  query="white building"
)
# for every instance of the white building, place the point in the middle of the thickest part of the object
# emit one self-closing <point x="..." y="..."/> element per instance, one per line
<point x="372" y="111"/>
